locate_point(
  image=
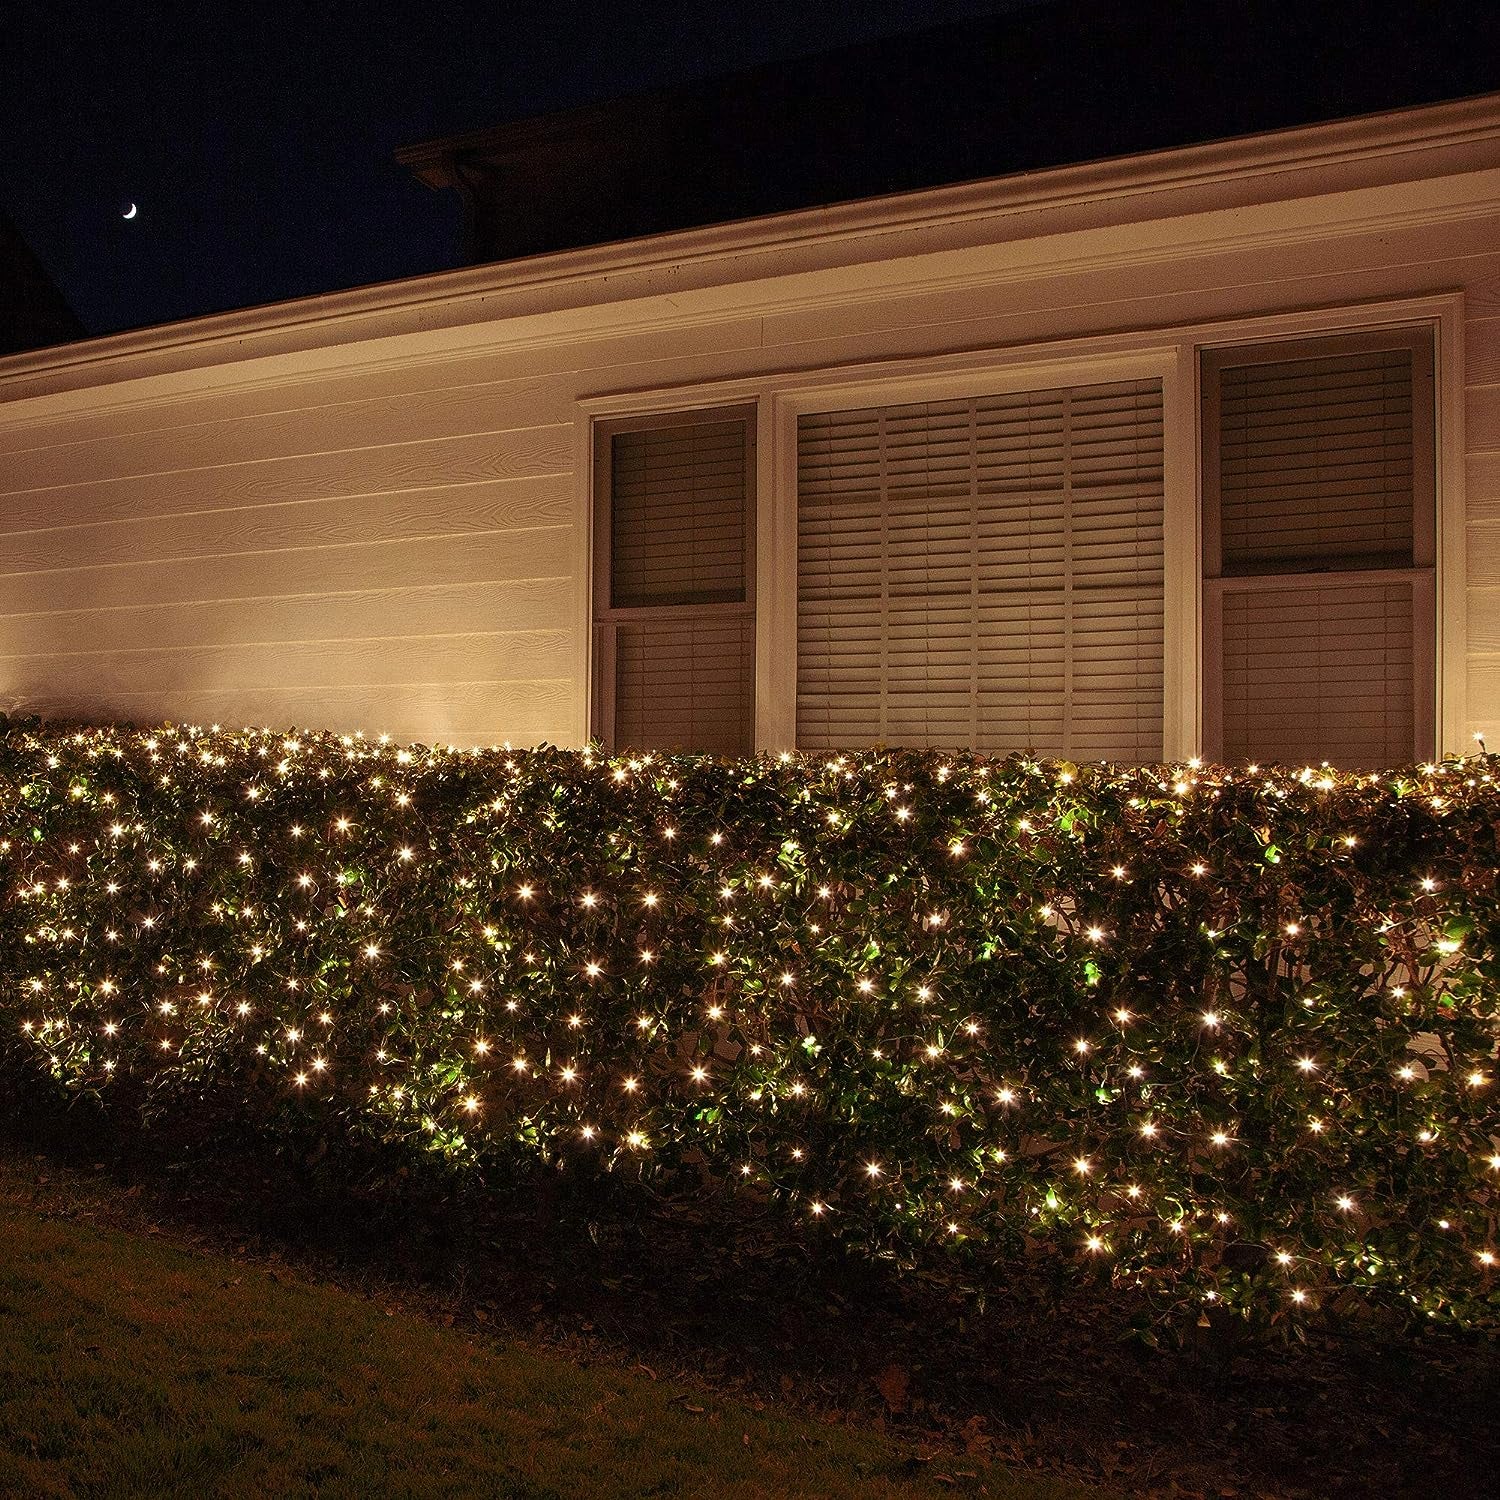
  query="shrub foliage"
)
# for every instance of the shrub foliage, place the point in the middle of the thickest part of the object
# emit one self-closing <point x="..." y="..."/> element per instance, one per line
<point x="1224" y="1038"/>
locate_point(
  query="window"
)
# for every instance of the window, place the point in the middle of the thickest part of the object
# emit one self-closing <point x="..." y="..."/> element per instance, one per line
<point x="984" y="573"/>
<point x="674" y="621"/>
<point x="1319" y="510"/>
<point x="1218" y="541"/>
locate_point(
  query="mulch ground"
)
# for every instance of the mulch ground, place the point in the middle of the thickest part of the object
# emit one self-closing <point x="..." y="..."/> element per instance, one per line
<point x="1053" y="1384"/>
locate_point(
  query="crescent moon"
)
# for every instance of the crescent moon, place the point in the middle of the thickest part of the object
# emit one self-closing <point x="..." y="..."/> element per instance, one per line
<point x="130" y="212"/>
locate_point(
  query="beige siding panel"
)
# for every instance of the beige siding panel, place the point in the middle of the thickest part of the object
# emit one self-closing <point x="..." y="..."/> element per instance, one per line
<point x="1162" y="293"/>
<point x="1482" y="418"/>
<point x="546" y="553"/>
<point x="366" y="471"/>
<point x="238" y="436"/>
<point x="1482" y="351"/>
<point x="1484" y="699"/>
<point x="1482" y="295"/>
<point x="464" y="712"/>
<point x="1484" y="553"/>
<point x="458" y="510"/>
<point x="541" y="604"/>
<point x="260" y="667"/>
<point x="1482" y="486"/>
<point x="235" y="395"/>
<point x="1484" y="620"/>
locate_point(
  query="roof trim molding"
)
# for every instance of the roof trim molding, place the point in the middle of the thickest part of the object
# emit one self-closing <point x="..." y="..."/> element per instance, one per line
<point x="1318" y="160"/>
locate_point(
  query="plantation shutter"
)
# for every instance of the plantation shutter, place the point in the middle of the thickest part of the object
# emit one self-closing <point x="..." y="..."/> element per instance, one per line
<point x="674" y="622"/>
<point x="984" y="573"/>
<point x="1318" y="484"/>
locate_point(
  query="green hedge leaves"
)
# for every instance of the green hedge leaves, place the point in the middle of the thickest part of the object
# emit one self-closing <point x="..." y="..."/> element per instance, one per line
<point x="1226" y="1038"/>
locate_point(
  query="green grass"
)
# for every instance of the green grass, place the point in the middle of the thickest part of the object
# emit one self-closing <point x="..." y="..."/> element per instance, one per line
<point x="130" y="1368"/>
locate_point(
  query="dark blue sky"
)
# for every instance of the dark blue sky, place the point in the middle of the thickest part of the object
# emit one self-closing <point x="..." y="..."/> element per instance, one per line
<point x="257" y="137"/>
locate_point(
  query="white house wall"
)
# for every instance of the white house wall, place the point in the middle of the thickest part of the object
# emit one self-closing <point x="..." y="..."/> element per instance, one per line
<point x="390" y="532"/>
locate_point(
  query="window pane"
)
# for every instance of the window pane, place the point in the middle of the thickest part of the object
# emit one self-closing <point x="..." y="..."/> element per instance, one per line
<point x="1320" y="464"/>
<point x="984" y="573"/>
<point x="1315" y="462"/>
<point x="1322" y="673"/>
<point x="685" y="684"/>
<point x="677" y="524"/>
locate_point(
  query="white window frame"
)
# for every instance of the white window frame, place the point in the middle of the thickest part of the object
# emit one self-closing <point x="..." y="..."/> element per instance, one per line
<point x="1172" y="356"/>
<point x="606" y="617"/>
<point x="1419" y="575"/>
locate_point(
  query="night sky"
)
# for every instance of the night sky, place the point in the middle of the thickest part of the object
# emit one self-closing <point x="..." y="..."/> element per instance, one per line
<point x="257" y="138"/>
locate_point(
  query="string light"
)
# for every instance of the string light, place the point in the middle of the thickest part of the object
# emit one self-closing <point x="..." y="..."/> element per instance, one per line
<point x="743" y="1033"/>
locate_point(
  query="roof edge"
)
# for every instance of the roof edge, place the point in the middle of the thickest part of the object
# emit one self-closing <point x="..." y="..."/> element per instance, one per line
<point x="1391" y="133"/>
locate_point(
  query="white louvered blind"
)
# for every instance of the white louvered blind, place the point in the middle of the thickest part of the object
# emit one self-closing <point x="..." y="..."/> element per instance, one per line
<point x="1315" y="460"/>
<point x="984" y="573"/>
<point x="678" y="515"/>
<point x="1328" y="667"/>
<point x="1319" y="482"/>
<point x="674" y="623"/>
<point x="685" y="684"/>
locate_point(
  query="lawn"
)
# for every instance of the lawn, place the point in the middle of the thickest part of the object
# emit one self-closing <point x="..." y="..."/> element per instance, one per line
<point x="129" y="1367"/>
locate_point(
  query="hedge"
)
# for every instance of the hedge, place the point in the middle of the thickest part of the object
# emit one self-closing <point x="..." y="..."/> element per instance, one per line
<point x="1222" y="1038"/>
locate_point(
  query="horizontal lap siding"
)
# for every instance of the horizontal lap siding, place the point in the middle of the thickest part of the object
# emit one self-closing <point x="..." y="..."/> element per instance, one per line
<point x="398" y="547"/>
<point x="399" y="561"/>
